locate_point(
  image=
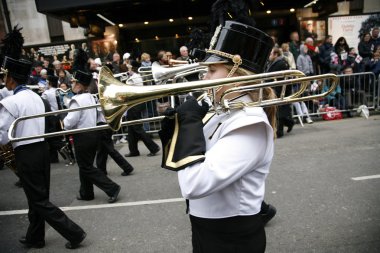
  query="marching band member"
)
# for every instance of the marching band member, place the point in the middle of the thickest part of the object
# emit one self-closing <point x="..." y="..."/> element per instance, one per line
<point x="222" y="165"/>
<point x="85" y="144"/>
<point x="32" y="157"/>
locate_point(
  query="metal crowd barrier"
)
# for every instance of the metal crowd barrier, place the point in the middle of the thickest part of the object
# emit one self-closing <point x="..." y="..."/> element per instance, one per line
<point x="378" y="92"/>
<point x="355" y="90"/>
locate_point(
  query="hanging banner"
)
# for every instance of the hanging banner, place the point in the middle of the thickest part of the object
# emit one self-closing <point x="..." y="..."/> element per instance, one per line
<point x="348" y="27"/>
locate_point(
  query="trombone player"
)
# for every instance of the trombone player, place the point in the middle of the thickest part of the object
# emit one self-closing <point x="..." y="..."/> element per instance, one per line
<point x="222" y="164"/>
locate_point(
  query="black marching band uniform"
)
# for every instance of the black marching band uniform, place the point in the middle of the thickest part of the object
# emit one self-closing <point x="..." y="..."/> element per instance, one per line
<point x="86" y="143"/>
<point x="32" y="158"/>
<point x="106" y="148"/>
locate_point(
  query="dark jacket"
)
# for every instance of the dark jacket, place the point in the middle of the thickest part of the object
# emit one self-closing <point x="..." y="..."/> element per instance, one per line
<point x="365" y="49"/>
<point x="294" y="48"/>
<point x="325" y="53"/>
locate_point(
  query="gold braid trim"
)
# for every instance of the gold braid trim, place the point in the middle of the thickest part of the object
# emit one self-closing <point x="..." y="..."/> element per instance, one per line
<point x="236" y="59"/>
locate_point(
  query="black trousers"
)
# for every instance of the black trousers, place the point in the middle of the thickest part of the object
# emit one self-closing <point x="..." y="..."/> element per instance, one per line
<point x="105" y="148"/>
<point x="239" y="234"/>
<point x="136" y="133"/>
<point x="33" y="164"/>
<point x="85" y="145"/>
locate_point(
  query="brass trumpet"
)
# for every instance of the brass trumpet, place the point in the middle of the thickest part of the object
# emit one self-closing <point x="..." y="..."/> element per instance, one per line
<point x="116" y="97"/>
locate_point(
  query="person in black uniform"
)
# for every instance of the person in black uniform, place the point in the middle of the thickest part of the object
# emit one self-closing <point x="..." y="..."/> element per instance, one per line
<point x="137" y="132"/>
<point x="86" y="143"/>
<point x="32" y="159"/>
<point x="106" y="147"/>
<point x="277" y="63"/>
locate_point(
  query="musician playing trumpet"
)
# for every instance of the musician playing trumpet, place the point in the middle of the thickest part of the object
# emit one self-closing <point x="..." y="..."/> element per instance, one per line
<point x="223" y="161"/>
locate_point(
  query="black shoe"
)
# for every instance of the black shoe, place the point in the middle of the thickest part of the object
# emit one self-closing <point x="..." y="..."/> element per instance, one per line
<point x="154" y="153"/>
<point x="290" y="128"/>
<point x="131" y="155"/>
<point x="269" y="214"/>
<point x="114" y="196"/>
<point x="279" y="134"/>
<point x="127" y="171"/>
<point x="74" y="245"/>
<point x="79" y="197"/>
<point x="28" y="244"/>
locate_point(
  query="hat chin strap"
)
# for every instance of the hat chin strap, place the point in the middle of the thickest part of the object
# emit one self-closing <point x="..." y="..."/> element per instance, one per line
<point x="236" y="59"/>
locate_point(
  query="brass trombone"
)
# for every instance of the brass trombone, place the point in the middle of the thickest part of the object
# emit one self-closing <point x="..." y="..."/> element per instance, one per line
<point x="116" y="97"/>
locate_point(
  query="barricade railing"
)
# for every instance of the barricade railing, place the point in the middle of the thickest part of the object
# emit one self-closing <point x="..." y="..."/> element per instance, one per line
<point x="378" y="92"/>
<point x="353" y="91"/>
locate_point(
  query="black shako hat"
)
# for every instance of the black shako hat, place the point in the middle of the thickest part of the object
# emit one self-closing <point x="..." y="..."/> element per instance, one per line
<point x="18" y="69"/>
<point x="83" y="77"/>
<point x="239" y="44"/>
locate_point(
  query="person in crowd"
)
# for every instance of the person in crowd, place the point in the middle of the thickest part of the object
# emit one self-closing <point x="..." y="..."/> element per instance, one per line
<point x="335" y="98"/>
<point x="313" y="53"/>
<point x="65" y="96"/>
<point x="126" y="60"/>
<point x="222" y="165"/>
<point x="36" y="73"/>
<point x="335" y="65"/>
<point x="294" y="45"/>
<point x="284" y="118"/>
<point x="55" y="143"/>
<point x="374" y="65"/>
<point x="137" y="132"/>
<point x="42" y="81"/>
<point x="32" y="156"/>
<point x="184" y="52"/>
<point x="145" y="60"/>
<point x="58" y="67"/>
<point x="365" y="48"/>
<point x="305" y="65"/>
<point x="71" y="52"/>
<point x="353" y="60"/>
<point x="352" y="90"/>
<point x="116" y="63"/>
<point x="162" y="59"/>
<point x="341" y="48"/>
<point x="86" y="143"/>
<point x="325" y="51"/>
<point x="304" y="62"/>
<point x="288" y="55"/>
<point x="63" y="78"/>
<point x="375" y="38"/>
<point x="48" y="66"/>
<point x="169" y="55"/>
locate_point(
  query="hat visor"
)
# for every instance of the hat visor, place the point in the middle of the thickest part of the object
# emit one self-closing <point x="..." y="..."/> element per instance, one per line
<point x="213" y="59"/>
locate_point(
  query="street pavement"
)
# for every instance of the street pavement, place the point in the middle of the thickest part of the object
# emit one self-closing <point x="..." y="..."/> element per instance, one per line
<point x="320" y="208"/>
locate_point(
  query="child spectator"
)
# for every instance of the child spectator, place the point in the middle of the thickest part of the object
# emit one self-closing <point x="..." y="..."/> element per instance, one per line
<point x="304" y="62"/>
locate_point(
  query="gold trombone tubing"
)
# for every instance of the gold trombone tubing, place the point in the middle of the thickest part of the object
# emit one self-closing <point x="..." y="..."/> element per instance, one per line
<point x="144" y="94"/>
<point x="296" y="97"/>
<point x="116" y="98"/>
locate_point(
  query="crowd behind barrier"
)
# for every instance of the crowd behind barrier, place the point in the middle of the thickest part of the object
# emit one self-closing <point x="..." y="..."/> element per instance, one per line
<point x="356" y="88"/>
